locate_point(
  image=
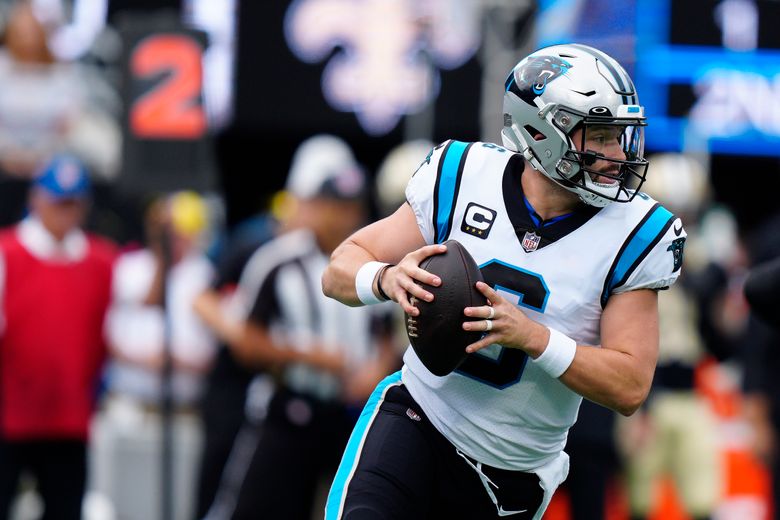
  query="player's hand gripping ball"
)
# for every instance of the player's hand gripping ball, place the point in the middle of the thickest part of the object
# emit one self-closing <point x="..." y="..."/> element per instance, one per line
<point x="436" y="334"/>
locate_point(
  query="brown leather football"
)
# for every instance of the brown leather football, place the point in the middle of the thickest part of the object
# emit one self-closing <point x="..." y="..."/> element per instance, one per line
<point x="437" y="334"/>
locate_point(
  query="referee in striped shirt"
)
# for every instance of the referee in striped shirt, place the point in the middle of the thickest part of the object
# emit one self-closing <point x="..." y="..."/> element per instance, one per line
<point x="325" y="357"/>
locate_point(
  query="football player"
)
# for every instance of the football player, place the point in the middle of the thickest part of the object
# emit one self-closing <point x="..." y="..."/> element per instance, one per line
<point x="573" y="255"/>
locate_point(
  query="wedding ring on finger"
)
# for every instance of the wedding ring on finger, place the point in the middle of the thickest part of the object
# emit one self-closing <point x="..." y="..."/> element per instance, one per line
<point x="488" y="325"/>
<point x="492" y="313"/>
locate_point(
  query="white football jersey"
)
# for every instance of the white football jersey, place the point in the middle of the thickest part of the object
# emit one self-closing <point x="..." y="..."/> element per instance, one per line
<point x="497" y="407"/>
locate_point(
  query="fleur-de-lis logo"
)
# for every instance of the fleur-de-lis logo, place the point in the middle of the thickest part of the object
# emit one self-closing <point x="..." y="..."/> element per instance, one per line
<point x="388" y="51"/>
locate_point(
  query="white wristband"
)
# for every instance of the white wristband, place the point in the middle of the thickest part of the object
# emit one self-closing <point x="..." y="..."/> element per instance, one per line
<point x="558" y="355"/>
<point x="364" y="282"/>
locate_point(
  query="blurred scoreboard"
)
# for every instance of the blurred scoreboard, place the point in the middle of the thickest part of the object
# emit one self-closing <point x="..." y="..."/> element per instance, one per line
<point x="708" y="72"/>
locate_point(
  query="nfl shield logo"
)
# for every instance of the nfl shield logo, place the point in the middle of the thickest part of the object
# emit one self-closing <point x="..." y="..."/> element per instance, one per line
<point x="530" y="241"/>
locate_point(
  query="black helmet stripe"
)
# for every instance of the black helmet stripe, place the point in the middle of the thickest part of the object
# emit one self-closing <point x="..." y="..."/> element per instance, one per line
<point x="624" y="84"/>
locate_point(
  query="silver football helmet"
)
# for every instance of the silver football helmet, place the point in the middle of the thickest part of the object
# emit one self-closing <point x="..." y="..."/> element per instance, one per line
<point x="559" y="89"/>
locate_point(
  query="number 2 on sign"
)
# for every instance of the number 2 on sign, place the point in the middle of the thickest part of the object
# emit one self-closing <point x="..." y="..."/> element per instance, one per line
<point x="172" y="108"/>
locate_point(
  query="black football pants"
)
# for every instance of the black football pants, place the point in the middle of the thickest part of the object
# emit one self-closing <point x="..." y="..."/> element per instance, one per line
<point x="408" y="470"/>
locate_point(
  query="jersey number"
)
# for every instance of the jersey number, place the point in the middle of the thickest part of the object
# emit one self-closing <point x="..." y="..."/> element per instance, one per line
<point x="506" y="368"/>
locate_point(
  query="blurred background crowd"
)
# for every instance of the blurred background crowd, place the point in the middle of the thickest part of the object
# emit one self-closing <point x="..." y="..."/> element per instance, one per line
<point x="175" y="173"/>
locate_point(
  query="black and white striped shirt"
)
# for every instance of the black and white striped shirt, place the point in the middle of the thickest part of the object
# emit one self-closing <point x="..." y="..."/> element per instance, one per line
<point x="280" y="289"/>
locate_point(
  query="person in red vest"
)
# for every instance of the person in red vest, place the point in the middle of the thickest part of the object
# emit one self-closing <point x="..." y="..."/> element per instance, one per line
<point x="55" y="286"/>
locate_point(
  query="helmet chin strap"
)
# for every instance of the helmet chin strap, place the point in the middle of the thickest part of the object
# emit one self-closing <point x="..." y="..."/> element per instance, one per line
<point x="605" y="192"/>
<point x="529" y="156"/>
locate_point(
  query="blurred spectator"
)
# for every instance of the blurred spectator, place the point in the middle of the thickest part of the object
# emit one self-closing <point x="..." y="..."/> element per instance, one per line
<point x="47" y="107"/>
<point x="224" y="400"/>
<point x="55" y="282"/>
<point x="761" y="352"/>
<point x="675" y="432"/>
<point x="326" y="357"/>
<point x="142" y="330"/>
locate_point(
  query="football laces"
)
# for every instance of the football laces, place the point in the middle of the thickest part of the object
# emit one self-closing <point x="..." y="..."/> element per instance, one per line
<point x="411" y="323"/>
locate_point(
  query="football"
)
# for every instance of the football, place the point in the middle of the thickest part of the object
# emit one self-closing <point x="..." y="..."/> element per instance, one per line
<point x="436" y="334"/>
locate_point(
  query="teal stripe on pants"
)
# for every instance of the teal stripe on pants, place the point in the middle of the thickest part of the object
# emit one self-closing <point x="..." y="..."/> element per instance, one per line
<point x="351" y="457"/>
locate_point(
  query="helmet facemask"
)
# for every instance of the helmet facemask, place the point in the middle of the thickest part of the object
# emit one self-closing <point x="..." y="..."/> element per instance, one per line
<point x="606" y="161"/>
<point x="560" y="90"/>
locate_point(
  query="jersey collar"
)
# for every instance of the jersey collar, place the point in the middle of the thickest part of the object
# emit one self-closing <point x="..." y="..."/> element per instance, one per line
<point x="523" y="217"/>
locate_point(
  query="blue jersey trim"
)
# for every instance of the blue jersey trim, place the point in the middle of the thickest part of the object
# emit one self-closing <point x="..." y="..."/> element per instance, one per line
<point x="447" y="186"/>
<point x="539" y="223"/>
<point x="531" y="212"/>
<point x="349" y="461"/>
<point x="636" y="247"/>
